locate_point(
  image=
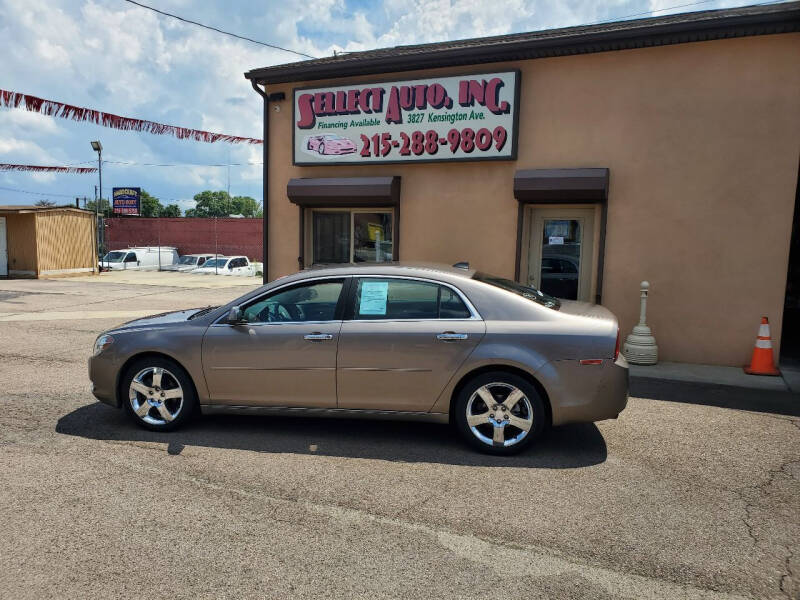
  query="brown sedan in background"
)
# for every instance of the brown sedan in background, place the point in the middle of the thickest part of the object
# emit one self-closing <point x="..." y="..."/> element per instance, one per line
<point x="499" y="360"/>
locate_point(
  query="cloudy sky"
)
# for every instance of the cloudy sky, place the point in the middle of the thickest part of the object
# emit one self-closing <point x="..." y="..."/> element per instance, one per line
<point x="113" y="56"/>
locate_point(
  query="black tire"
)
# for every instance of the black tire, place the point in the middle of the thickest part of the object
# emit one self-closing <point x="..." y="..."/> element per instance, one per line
<point x="497" y="383"/>
<point x="172" y="373"/>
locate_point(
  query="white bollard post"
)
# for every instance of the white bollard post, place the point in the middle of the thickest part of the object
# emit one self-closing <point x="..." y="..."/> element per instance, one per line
<point x="640" y="346"/>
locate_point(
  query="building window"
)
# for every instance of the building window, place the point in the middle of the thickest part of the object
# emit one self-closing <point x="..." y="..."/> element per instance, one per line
<point x="351" y="235"/>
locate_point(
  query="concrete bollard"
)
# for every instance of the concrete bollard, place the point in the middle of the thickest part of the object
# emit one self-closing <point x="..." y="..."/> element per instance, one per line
<point x="640" y="346"/>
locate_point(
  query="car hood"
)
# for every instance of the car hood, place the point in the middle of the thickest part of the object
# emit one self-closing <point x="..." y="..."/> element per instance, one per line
<point x="162" y="319"/>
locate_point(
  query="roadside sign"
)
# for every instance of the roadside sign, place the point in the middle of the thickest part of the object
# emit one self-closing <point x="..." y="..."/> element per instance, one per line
<point x="126" y="200"/>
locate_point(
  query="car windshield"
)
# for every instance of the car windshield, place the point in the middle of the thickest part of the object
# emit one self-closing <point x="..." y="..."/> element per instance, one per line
<point x="522" y="290"/>
<point x="114" y="256"/>
<point x="188" y="260"/>
<point x="219" y="263"/>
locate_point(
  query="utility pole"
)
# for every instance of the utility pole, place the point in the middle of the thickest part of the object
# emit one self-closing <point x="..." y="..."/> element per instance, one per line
<point x="98" y="147"/>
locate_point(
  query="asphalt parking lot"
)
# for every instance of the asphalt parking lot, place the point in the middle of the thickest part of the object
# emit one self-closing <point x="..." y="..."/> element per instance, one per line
<point x="672" y="500"/>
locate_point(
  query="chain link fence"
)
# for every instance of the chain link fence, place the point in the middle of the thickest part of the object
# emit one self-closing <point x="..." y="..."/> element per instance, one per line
<point x="218" y="236"/>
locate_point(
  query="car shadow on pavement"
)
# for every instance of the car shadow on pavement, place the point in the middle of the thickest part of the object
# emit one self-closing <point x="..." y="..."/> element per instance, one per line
<point x="566" y="447"/>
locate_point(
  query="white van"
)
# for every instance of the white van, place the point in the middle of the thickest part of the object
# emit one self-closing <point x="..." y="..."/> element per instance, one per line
<point x="139" y="258"/>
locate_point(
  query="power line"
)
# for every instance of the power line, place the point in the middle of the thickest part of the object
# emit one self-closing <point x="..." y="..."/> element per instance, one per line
<point x="8" y="189"/>
<point x="126" y="163"/>
<point x="241" y="37"/>
<point x="650" y="12"/>
<point x="39" y="193"/>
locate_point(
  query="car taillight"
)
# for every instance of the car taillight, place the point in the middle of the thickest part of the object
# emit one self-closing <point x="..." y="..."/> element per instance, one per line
<point x="616" y="348"/>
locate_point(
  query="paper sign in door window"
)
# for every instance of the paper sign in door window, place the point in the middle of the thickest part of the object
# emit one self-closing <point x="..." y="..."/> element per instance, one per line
<point x="374" y="295"/>
<point x="556" y="240"/>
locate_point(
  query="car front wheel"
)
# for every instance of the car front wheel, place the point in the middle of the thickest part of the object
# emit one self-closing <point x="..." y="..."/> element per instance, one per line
<point x="499" y="413"/>
<point x="157" y="393"/>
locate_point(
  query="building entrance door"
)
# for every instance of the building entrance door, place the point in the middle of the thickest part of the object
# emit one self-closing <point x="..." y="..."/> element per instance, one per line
<point x="561" y="255"/>
<point x="3" y="248"/>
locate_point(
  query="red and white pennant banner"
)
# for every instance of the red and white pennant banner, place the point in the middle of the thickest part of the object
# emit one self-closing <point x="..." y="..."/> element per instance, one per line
<point x="77" y="113"/>
<point x="43" y="169"/>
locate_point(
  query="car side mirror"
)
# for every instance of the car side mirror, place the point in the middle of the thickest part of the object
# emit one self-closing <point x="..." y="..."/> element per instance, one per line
<point x="235" y="316"/>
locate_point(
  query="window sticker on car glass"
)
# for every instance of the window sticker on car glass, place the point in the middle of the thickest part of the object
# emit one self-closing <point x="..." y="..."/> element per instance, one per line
<point x="373" y="297"/>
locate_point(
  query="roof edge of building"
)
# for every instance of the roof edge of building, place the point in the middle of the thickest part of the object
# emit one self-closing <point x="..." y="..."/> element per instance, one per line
<point x="620" y="35"/>
<point x="31" y="208"/>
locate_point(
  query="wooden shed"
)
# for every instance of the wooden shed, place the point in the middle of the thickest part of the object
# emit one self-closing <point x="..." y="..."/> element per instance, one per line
<point x="43" y="241"/>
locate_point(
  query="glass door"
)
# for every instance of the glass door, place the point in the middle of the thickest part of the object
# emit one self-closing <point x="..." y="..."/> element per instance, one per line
<point x="561" y="252"/>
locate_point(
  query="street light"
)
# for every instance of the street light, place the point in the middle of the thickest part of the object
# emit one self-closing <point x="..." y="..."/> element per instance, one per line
<point x="98" y="147"/>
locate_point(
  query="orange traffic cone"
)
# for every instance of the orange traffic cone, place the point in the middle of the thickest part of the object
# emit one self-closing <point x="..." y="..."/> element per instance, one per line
<point x="762" y="362"/>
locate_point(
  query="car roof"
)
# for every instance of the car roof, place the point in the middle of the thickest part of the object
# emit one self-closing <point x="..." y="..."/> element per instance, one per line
<point x="408" y="269"/>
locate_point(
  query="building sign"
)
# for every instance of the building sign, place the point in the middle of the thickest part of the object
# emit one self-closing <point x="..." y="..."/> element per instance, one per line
<point x="126" y="200"/>
<point x="468" y="117"/>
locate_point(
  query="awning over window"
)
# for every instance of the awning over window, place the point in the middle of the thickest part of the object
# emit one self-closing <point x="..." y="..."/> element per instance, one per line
<point x="561" y="185"/>
<point x="344" y="191"/>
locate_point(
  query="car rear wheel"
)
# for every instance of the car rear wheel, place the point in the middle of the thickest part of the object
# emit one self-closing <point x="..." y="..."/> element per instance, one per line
<point x="158" y="394"/>
<point x="499" y="413"/>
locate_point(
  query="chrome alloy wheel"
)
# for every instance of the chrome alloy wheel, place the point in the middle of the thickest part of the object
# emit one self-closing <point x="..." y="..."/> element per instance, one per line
<point x="156" y="395"/>
<point x="499" y="414"/>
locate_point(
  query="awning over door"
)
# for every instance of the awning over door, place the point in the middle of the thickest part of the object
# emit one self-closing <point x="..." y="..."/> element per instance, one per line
<point x="561" y="185"/>
<point x="344" y="191"/>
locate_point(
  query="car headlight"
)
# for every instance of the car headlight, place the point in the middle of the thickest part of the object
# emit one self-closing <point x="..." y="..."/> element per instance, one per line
<point x="101" y="343"/>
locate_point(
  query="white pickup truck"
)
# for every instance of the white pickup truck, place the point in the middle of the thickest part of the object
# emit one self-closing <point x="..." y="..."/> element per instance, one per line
<point x="227" y="265"/>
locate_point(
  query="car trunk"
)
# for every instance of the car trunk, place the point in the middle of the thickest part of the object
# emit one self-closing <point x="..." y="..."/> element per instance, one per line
<point x="586" y="309"/>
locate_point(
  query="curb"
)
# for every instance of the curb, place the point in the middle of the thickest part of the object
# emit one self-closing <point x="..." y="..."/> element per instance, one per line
<point x="779" y="402"/>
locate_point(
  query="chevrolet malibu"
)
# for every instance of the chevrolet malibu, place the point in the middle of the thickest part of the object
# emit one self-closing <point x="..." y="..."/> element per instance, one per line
<point x="500" y="361"/>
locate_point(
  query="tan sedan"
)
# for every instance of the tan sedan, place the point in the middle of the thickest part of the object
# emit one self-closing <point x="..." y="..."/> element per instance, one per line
<point x="498" y="360"/>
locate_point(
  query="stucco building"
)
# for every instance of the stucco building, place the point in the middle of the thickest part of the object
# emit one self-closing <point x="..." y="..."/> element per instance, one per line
<point x="586" y="160"/>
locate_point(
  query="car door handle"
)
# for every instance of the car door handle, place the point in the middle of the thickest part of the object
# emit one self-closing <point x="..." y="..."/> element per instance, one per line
<point x="449" y="336"/>
<point x="317" y="337"/>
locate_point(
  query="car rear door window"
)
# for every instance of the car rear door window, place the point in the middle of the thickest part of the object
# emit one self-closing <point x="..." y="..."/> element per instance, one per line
<point x="386" y="298"/>
<point x="311" y="302"/>
<point x="451" y="306"/>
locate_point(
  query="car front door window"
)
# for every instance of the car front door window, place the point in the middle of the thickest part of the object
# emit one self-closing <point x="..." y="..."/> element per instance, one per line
<point x="312" y="302"/>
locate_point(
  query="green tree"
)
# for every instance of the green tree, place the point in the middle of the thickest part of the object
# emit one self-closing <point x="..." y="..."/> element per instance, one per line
<point x="212" y="204"/>
<point x="105" y="207"/>
<point x="149" y="206"/>
<point x="171" y="210"/>
<point x="220" y="204"/>
<point x="245" y="206"/>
